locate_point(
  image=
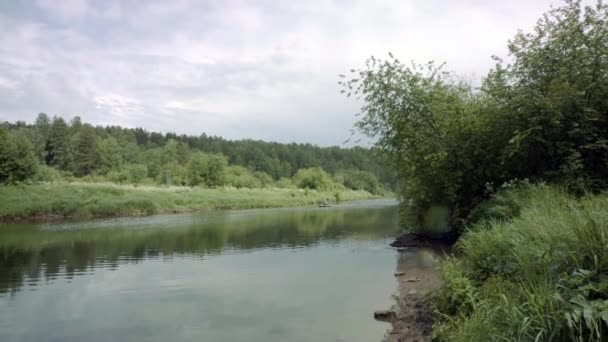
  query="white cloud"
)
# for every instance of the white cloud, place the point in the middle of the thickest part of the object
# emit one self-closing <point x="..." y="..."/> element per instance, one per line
<point x="64" y="8"/>
<point x="239" y="69"/>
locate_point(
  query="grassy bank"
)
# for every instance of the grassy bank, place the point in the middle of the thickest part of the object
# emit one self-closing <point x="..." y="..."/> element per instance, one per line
<point x="87" y="200"/>
<point x="534" y="268"/>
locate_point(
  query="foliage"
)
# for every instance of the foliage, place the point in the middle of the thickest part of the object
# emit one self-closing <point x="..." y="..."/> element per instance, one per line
<point x="207" y="170"/>
<point x="313" y="178"/>
<point x="85" y="150"/>
<point x="17" y="159"/>
<point x="49" y="174"/>
<point x="543" y="275"/>
<point x="359" y="180"/>
<point x="542" y="117"/>
<point x="241" y="177"/>
<point x="110" y="157"/>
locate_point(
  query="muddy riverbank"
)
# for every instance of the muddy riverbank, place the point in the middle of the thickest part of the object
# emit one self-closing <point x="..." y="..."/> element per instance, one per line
<point x="411" y="316"/>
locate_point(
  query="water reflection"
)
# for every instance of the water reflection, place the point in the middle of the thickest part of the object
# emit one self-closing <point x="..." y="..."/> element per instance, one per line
<point x="35" y="254"/>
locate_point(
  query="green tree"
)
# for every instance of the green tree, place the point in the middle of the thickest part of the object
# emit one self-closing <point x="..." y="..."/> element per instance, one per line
<point x="313" y="178"/>
<point x="173" y="173"/>
<point x="360" y="180"/>
<point x="110" y="155"/>
<point x="553" y="97"/>
<point x="241" y="177"/>
<point x="544" y="116"/>
<point x="57" y="147"/>
<point x="42" y="127"/>
<point x="206" y="169"/>
<point x="85" y="151"/>
<point x="17" y="158"/>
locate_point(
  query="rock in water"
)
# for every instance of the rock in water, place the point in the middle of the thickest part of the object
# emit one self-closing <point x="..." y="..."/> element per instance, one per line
<point x="399" y="274"/>
<point x="384" y="315"/>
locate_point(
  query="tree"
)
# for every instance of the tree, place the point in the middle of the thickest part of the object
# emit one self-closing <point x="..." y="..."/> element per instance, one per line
<point x="110" y="156"/>
<point x="554" y="96"/>
<point x="360" y="180"/>
<point x="543" y="117"/>
<point x="57" y="147"/>
<point x="42" y="127"/>
<point x="424" y="120"/>
<point x="206" y="169"/>
<point x="85" y="151"/>
<point x="313" y="178"/>
<point x="17" y="158"/>
<point x="241" y="177"/>
<point x="173" y="173"/>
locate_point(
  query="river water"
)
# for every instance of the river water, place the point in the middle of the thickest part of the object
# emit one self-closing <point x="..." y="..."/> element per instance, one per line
<point x="296" y="274"/>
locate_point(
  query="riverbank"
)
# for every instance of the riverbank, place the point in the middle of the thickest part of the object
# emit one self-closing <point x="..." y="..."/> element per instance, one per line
<point x="534" y="266"/>
<point x="50" y="201"/>
<point x="411" y="317"/>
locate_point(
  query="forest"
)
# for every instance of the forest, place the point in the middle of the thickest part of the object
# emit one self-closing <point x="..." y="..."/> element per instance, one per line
<point x="54" y="149"/>
<point x="518" y="168"/>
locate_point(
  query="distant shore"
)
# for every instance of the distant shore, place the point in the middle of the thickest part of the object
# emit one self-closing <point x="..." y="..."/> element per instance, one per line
<point x="62" y="200"/>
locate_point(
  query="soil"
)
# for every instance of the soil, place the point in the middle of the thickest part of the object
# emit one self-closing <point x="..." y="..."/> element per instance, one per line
<point x="417" y="281"/>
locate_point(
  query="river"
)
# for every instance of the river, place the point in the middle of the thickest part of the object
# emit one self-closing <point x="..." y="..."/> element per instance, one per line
<point x="295" y="274"/>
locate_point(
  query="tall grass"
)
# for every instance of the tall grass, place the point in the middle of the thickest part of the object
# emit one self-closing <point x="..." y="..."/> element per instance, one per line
<point x="540" y="276"/>
<point x="85" y="200"/>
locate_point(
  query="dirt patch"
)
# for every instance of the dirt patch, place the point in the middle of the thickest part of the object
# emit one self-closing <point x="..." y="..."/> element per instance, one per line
<point x="417" y="281"/>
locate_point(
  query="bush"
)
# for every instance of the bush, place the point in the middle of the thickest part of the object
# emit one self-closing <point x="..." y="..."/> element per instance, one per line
<point x="17" y="159"/>
<point x="359" y="180"/>
<point x="285" y="183"/>
<point x="264" y="178"/>
<point x="49" y="174"/>
<point x="241" y="177"/>
<point x="313" y="178"/>
<point x="206" y="169"/>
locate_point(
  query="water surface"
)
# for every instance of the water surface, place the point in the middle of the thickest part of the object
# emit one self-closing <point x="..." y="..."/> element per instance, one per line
<point x="299" y="274"/>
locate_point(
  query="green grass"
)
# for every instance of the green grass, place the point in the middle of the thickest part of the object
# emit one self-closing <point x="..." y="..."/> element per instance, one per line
<point x="533" y="268"/>
<point x="87" y="200"/>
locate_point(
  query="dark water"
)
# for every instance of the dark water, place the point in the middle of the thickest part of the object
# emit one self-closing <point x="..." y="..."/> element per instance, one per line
<point x="303" y="274"/>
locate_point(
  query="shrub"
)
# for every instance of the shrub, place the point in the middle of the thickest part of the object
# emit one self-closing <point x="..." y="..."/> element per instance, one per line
<point x="313" y="178"/>
<point x="49" y="174"/>
<point x="17" y="159"/>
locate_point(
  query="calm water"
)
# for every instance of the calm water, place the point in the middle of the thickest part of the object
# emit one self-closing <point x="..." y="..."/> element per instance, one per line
<point x="306" y="274"/>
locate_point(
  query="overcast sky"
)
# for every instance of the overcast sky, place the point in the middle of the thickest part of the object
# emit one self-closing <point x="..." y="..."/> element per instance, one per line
<point x="239" y="69"/>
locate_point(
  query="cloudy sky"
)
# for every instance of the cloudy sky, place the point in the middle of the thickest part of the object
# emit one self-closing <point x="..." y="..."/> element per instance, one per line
<point x="239" y="69"/>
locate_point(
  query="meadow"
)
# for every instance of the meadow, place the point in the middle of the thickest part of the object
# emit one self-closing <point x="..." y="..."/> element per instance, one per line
<point x="90" y="200"/>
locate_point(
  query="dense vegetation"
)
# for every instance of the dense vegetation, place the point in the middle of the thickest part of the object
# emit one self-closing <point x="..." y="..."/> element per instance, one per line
<point x="58" y="169"/>
<point x="535" y="268"/>
<point x="532" y="263"/>
<point x="55" y="150"/>
<point x="543" y="116"/>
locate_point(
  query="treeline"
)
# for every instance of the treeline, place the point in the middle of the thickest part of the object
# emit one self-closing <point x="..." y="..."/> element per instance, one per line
<point x="543" y="116"/>
<point x="53" y="149"/>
